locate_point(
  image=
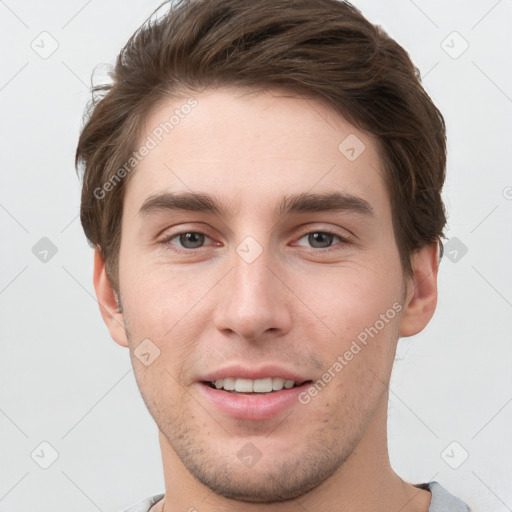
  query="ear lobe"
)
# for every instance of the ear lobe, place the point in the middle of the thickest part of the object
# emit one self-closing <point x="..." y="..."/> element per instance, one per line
<point x="107" y="301"/>
<point x="421" y="297"/>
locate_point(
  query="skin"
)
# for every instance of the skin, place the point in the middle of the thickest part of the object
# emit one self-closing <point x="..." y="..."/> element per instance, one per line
<point x="299" y="305"/>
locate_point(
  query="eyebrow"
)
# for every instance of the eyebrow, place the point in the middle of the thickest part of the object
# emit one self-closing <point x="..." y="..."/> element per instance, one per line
<point x="296" y="203"/>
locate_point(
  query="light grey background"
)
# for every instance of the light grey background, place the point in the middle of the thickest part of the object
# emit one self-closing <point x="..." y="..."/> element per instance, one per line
<point x="65" y="382"/>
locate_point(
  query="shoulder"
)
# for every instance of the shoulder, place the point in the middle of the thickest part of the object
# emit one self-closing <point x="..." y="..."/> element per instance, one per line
<point x="443" y="501"/>
<point x="145" y="505"/>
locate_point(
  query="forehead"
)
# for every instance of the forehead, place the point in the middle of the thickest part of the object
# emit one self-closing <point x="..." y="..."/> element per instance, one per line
<point x="247" y="149"/>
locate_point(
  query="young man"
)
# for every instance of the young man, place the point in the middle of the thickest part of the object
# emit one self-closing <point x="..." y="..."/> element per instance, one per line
<point x="262" y="187"/>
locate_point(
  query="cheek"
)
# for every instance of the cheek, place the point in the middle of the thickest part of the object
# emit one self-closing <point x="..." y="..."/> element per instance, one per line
<point x="346" y="301"/>
<point x="160" y="388"/>
<point x="158" y="299"/>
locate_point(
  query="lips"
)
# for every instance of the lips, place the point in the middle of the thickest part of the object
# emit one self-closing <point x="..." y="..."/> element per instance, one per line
<point x="263" y="372"/>
<point x="252" y="393"/>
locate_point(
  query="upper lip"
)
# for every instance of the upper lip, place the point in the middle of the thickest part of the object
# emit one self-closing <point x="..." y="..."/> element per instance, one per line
<point x="261" y="372"/>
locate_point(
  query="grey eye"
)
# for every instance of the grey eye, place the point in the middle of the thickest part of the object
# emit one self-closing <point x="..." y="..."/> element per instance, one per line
<point x="320" y="239"/>
<point x="191" y="239"/>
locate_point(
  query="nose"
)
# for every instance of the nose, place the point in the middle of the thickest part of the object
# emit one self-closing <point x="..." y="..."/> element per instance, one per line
<point x="253" y="302"/>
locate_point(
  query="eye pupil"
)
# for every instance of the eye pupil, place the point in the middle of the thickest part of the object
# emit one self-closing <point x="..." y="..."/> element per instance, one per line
<point x="196" y="240"/>
<point x="321" y="237"/>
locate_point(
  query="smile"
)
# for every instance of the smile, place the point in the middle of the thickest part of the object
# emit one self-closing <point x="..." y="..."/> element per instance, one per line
<point x="245" y="402"/>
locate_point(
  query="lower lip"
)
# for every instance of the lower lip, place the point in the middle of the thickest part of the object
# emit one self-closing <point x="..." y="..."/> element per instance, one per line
<point x="253" y="407"/>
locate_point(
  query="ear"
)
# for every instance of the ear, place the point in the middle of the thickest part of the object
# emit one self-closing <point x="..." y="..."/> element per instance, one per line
<point x="107" y="301"/>
<point x="421" y="295"/>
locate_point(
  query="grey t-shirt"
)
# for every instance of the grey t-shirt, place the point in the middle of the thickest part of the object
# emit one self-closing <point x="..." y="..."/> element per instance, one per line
<point x="442" y="500"/>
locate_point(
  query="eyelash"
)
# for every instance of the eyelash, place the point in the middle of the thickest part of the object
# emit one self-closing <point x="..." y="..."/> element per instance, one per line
<point x="165" y="242"/>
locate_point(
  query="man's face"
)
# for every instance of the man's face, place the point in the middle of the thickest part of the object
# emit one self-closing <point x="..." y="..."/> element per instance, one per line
<point x="274" y="293"/>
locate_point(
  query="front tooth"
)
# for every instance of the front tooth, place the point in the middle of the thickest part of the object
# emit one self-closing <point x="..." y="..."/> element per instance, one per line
<point x="229" y="384"/>
<point x="243" y="385"/>
<point x="262" y="385"/>
<point x="277" y="383"/>
<point x="288" y="384"/>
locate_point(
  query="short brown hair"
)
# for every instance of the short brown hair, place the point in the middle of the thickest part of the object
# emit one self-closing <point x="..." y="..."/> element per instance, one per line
<point x="325" y="49"/>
